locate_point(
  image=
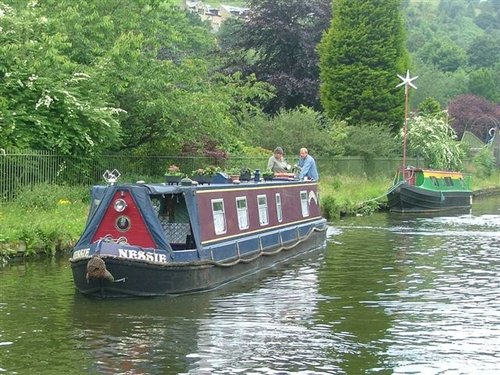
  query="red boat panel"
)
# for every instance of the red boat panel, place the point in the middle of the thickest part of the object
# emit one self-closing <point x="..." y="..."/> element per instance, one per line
<point x="137" y="232"/>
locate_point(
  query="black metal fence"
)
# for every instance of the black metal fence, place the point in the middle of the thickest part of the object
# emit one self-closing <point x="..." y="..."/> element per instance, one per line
<point x="26" y="168"/>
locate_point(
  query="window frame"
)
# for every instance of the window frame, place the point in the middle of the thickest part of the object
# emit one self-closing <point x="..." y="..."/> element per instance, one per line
<point x="304" y="203"/>
<point x="242" y="210"/>
<point x="279" y="207"/>
<point x="263" y="210"/>
<point x="216" y="214"/>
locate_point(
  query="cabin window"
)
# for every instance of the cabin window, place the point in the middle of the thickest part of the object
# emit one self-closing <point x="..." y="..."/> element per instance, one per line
<point x="263" y="215"/>
<point x="448" y="181"/>
<point x="304" y="203"/>
<point x="279" y="211"/>
<point x="435" y="181"/>
<point x="219" y="216"/>
<point x="242" y="210"/>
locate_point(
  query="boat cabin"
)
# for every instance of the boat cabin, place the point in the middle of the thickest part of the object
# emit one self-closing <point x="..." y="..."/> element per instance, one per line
<point x="432" y="179"/>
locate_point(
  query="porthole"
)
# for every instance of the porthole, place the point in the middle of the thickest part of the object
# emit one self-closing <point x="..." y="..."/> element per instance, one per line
<point x="122" y="223"/>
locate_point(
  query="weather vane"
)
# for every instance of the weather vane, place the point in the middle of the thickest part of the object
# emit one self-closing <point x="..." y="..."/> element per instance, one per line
<point x="407" y="82"/>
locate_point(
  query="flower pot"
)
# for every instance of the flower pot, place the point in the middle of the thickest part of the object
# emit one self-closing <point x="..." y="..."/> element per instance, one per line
<point x="170" y="180"/>
<point x="245" y="176"/>
<point x="235" y="178"/>
<point x="202" y="179"/>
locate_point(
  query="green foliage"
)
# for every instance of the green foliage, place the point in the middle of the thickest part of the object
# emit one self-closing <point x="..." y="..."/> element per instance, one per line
<point x="432" y="82"/>
<point x="450" y="41"/>
<point x="346" y="195"/>
<point x="47" y="219"/>
<point x="484" y="82"/>
<point x="370" y="141"/>
<point x="359" y="58"/>
<point x="92" y="76"/>
<point x="484" y="50"/>
<point x="430" y="106"/>
<point x="49" y="101"/>
<point x="434" y="140"/>
<point x="297" y="128"/>
<point x="444" y="54"/>
<point x="48" y="196"/>
<point x="210" y="170"/>
<point x="484" y="162"/>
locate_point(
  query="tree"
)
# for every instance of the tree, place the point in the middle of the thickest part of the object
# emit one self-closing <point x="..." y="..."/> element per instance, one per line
<point x="371" y="141"/>
<point x="432" y="82"/>
<point x="484" y="50"/>
<point x="474" y="114"/>
<point x="430" y="106"/>
<point x="444" y="54"/>
<point x="114" y="75"/>
<point x="48" y="101"/>
<point x="277" y="42"/>
<point x="484" y="82"/>
<point x="359" y="58"/>
<point x="433" y="139"/>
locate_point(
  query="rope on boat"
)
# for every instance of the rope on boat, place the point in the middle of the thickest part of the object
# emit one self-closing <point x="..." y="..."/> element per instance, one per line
<point x="261" y="252"/>
<point x="388" y="192"/>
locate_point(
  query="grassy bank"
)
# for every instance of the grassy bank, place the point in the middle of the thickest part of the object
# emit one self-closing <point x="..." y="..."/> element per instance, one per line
<point x="44" y="220"/>
<point x="48" y="219"/>
<point x="347" y="195"/>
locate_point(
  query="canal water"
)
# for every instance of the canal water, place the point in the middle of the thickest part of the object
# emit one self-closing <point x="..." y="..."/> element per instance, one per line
<point x="390" y="294"/>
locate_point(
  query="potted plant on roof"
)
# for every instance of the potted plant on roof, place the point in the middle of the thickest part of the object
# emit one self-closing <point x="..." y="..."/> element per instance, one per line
<point x="173" y="175"/>
<point x="205" y="175"/>
<point x="268" y="175"/>
<point x="234" y="174"/>
<point x="245" y="174"/>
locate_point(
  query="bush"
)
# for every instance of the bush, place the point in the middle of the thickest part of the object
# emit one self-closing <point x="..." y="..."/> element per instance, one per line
<point x="484" y="162"/>
<point x="300" y="127"/>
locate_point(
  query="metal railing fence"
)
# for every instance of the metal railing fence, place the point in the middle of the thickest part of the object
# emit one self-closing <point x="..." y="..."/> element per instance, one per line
<point x="21" y="169"/>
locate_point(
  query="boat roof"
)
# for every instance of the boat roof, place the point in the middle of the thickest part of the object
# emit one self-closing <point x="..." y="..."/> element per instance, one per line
<point x="437" y="173"/>
<point x="163" y="188"/>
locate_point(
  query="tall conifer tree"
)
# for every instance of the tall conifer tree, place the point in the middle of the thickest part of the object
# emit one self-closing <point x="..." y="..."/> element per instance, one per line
<point x="360" y="55"/>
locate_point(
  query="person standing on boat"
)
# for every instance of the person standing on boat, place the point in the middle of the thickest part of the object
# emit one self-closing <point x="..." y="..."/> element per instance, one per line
<point x="276" y="162"/>
<point x="307" y="166"/>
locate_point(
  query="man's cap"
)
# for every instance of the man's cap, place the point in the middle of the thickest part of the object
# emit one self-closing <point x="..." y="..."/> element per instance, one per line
<point x="278" y="150"/>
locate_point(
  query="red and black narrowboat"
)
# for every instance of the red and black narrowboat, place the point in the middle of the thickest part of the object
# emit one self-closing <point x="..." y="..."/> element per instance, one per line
<point x="158" y="239"/>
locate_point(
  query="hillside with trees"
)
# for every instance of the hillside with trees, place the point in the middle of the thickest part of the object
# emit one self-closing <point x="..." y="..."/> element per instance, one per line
<point x="146" y="77"/>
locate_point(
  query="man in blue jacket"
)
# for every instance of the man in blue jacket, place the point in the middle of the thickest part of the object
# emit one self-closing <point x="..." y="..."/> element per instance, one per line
<point x="307" y="166"/>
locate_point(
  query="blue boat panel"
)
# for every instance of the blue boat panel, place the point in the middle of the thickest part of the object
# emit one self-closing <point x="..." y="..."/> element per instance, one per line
<point x="224" y="252"/>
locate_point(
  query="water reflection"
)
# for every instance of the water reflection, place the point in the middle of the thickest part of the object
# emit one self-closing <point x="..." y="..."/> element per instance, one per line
<point x="389" y="294"/>
<point x="435" y="288"/>
<point x="269" y="329"/>
<point x="137" y="336"/>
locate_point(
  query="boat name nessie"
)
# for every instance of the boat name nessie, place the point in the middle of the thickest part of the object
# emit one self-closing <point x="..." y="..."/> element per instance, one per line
<point x="82" y="253"/>
<point x="142" y="255"/>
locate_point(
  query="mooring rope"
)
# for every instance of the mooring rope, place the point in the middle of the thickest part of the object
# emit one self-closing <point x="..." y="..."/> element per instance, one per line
<point x="387" y="193"/>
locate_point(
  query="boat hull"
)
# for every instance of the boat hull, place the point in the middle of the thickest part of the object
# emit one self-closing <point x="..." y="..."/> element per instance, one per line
<point x="142" y="278"/>
<point x="407" y="198"/>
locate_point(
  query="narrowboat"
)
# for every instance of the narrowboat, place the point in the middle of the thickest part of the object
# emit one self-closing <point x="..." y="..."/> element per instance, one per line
<point x="159" y="239"/>
<point x="427" y="190"/>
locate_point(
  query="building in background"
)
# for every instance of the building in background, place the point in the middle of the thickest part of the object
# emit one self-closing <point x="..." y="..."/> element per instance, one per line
<point x="215" y="15"/>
